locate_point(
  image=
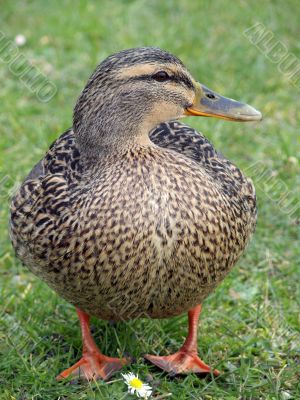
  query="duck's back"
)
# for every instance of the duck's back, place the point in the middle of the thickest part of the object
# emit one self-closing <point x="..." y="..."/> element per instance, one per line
<point x="73" y="233"/>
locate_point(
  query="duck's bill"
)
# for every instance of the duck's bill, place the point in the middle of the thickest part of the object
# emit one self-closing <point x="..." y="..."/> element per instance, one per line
<point x="210" y="104"/>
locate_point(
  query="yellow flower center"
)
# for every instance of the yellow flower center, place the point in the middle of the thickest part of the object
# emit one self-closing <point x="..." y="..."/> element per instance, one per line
<point x="136" y="383"/>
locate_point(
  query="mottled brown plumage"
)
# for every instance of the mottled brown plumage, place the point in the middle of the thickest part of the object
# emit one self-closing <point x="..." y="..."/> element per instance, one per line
<point x="123" y="226"/>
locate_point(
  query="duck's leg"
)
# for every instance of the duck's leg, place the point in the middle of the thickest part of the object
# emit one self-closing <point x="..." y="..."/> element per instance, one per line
<point x="186" y="359"/>
<point x="93" y="364"/>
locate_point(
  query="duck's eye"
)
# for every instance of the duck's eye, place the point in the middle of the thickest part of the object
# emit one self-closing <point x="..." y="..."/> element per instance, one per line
<point x="161" y="76"/>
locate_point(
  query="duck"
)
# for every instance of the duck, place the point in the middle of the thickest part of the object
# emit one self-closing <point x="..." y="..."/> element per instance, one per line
<point x="131" y="213"/>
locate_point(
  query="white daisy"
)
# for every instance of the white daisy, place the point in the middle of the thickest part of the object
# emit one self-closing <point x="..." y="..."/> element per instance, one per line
<point x="136" y="386"/>
<point x="20" y="40"/>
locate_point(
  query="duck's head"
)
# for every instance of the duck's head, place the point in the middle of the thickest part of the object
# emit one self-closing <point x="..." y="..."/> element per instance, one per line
<point x="134" y="90"/>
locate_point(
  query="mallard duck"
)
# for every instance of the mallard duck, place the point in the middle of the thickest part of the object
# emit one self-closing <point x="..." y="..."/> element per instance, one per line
<point x="131" y="213"/>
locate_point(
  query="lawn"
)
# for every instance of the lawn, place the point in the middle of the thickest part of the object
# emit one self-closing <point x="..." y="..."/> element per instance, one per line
<point x="249" y="327"/>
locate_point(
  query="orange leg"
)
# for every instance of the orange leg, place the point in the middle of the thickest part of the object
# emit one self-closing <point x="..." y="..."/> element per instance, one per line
<point x="93" y="363"/>
<point x="186" y="359"/>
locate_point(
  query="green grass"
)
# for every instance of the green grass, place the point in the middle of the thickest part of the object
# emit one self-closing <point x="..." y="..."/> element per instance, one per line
<point x="250" y="326"/>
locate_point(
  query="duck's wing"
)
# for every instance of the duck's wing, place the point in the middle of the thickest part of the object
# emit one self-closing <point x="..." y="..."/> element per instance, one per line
<point x="185" y="140"/>
<point x="63" y="157"/>
<point x="44" y="196"/>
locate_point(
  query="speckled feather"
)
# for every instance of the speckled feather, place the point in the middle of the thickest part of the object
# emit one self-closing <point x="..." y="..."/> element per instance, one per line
<point x="153" y="236"/>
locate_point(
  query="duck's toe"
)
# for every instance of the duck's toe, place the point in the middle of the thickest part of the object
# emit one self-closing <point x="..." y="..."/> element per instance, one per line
<point x="94" y="366"/>
<point x="181" y="363"/>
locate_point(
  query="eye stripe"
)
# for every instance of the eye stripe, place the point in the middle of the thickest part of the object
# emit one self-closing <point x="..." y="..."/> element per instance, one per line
<point x="178" y="78"/>
<point x="183" y="79"/>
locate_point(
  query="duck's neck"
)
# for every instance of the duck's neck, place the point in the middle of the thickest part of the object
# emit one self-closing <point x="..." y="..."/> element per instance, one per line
<point x="104" y="145"/>
<point x="112" y="130"/>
